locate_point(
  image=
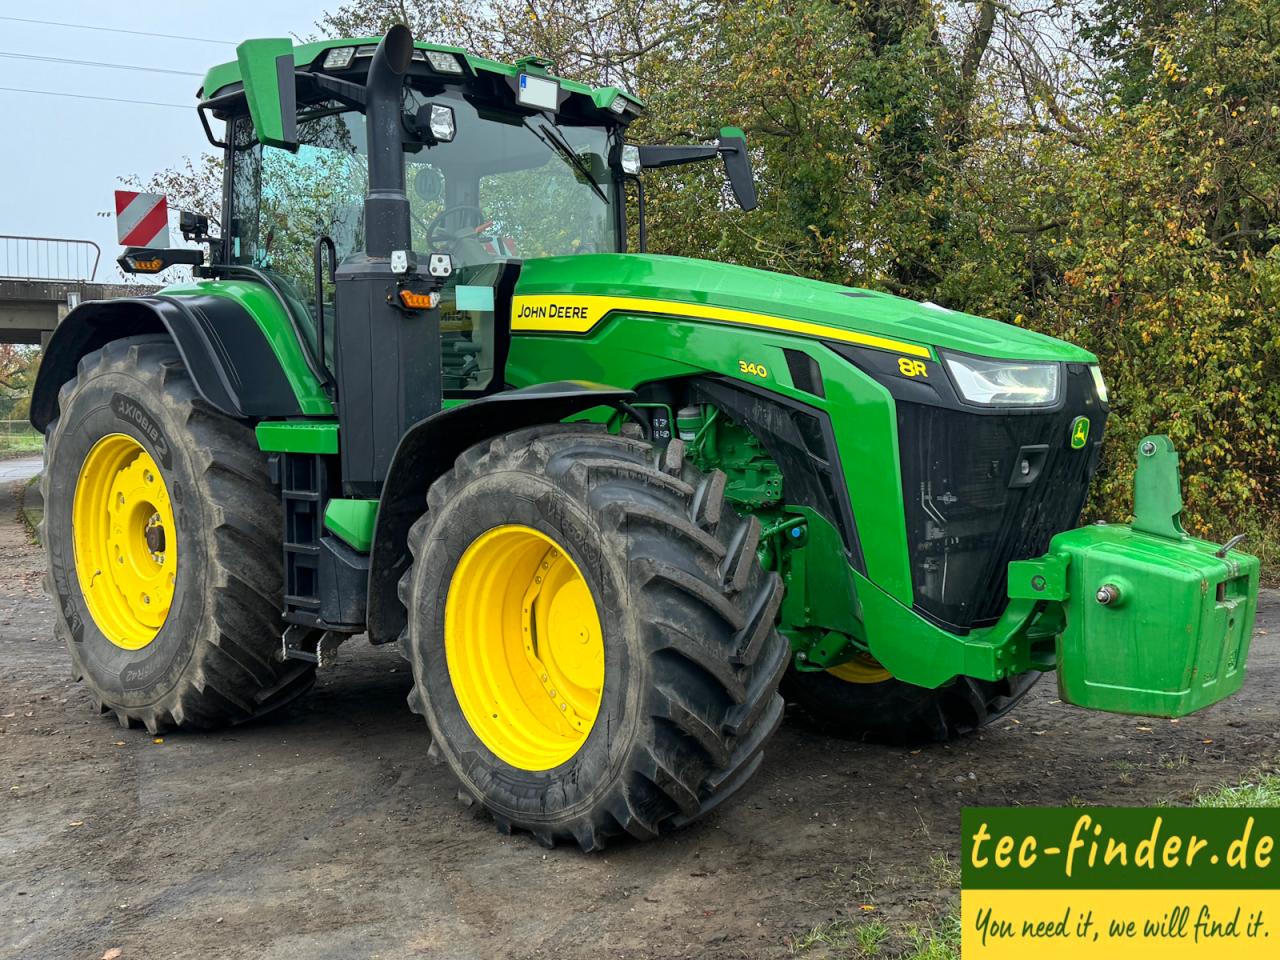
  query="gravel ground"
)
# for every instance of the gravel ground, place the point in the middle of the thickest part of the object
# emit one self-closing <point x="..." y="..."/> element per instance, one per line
<point x="325" y="833"/>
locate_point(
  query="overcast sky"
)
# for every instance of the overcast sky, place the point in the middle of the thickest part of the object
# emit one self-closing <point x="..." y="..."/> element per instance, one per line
<point x="61" y="155"/>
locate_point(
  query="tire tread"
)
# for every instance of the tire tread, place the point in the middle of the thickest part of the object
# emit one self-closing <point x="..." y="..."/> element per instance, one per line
<point x="706" y="606"/>
<point x="234" y="674"/>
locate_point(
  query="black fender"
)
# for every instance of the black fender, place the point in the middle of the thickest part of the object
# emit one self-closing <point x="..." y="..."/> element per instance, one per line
<point x="428" y="450"/>
<point x="223" y="348"/>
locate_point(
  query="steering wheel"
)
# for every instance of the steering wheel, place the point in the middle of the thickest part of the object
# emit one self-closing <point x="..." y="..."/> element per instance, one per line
<point x="438" y="224"/>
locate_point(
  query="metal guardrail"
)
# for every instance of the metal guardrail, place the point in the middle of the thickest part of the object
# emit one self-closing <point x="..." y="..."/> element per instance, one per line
<point x="48" y="258"/>
<point x="19" y="435"/>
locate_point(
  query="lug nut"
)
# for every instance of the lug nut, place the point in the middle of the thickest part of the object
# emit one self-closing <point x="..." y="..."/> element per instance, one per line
<point x="1108" y="594"/>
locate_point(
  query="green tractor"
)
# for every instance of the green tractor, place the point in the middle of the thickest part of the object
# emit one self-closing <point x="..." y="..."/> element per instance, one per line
<point x="616" y="508"/>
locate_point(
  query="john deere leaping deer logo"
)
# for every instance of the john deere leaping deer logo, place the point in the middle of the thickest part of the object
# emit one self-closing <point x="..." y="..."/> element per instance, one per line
<point x="1079" y="432"/>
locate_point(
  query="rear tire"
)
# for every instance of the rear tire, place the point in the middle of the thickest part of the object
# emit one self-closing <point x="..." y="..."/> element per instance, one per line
<point x="892" y="712"/>
<point x="212" y="661"/>
<point x="691" y="659"/>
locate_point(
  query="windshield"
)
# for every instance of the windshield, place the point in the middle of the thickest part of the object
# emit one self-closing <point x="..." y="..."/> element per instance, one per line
<point x="506" y="187"/>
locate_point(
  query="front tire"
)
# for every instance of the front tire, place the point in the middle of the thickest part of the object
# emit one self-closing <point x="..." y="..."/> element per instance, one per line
<point x="860" y="701"/>
<point x="574" y="540"/>
<point x="162" y="536"/>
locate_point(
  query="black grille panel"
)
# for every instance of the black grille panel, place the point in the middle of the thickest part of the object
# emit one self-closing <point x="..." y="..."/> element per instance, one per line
<point x="968" y="517"/>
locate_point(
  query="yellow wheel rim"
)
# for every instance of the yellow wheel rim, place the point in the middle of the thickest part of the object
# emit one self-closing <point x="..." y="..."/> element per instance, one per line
<point x="125" y="540"/>
<point x="861" y="669"/>
<point x="524" y="646"/>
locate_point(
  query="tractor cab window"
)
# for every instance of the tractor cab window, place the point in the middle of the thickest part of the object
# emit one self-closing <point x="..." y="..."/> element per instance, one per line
<point x="508" y="187"/>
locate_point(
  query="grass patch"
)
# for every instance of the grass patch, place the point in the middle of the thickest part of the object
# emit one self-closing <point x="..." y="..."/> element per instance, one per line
<point x="835" y="934"/>
<point x="944" y="873"/>
<point x="20" y="444"/>
<point x="854" y="940"/>
<point x="869" y="936"/>
<point x="941" y="942"/>
<point x="1260" y="791"/>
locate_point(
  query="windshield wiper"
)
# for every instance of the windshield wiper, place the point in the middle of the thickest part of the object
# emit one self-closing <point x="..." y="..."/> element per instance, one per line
<point x="552" y="138"/>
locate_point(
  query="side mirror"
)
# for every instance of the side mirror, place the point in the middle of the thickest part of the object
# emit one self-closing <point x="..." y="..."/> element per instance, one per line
<point x="266" y="68"/>
<point x="732" y="145"/>
<point x="737" y="166"/>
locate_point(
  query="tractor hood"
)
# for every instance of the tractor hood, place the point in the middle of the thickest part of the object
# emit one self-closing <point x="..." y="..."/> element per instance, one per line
<point x="725" y="292"/>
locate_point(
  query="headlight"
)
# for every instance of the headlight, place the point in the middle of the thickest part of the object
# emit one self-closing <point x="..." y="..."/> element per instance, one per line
<point x="1099" y="384"/>
<point x="1004" y="383"/>
<point x="339" y="58"/>
<point x="442" y="123"/>
<point x="442" y="62"/>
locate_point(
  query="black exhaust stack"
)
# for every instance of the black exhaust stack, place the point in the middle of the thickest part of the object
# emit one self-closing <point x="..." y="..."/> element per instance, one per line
<point x="386" y="207"/>
<point x="388" y="358"/>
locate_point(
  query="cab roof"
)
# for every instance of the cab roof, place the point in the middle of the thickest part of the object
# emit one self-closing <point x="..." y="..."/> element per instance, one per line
<point x="311" y="56"/>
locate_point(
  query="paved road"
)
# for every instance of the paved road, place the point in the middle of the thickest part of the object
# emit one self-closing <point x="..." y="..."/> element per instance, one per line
<point x="20" y="469"/>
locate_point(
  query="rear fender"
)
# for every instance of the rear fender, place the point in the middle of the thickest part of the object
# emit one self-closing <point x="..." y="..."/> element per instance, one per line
<point x="221" y="345"/>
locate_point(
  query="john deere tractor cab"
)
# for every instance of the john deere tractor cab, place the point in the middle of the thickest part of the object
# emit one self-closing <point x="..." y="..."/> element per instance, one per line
<point x="612" y="505"/>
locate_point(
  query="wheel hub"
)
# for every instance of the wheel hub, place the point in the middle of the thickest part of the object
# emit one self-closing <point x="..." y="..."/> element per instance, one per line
<point x="524" y="646"/>
<point x="126" y="559"/>
<point x="154" y="533"/>
<point x="861" y="669"/>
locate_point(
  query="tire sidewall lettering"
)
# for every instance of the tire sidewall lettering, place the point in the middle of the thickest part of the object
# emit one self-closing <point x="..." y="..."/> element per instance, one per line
<point x="108" y="401"/>
<point x="133" y="412"/>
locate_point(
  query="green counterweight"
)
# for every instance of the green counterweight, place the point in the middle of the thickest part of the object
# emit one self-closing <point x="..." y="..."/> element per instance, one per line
<point x="1155" y="622"/>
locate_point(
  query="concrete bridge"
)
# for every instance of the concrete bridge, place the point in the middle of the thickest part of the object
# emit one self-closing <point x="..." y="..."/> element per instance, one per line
<point x="43" y="278"/>
<point x="30" y="309"/>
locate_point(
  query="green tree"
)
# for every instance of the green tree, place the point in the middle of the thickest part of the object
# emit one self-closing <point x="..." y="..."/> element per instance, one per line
<point x="18" y="363"/>
<point x="1170" y="262"/>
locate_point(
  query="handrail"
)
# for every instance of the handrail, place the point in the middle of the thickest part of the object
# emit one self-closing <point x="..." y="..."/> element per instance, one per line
<point x="321" y="373"/>
<point x="47" y="258"/>
<point x="323" y="243"/>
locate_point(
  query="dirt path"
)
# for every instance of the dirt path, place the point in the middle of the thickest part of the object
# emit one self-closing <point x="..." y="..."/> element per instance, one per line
<point x="326" y="834"/>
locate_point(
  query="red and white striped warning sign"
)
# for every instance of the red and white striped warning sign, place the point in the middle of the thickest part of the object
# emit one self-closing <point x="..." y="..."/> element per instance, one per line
<point x="142" y="219"/>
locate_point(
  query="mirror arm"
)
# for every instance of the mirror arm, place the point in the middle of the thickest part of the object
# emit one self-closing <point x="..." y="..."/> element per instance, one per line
<point x="732" y="146"/>
<point x="348" y="93"/>
<point x="653" y="157"/>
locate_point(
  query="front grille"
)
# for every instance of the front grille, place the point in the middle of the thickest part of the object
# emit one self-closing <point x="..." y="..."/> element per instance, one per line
<point x="966" y="516"/>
